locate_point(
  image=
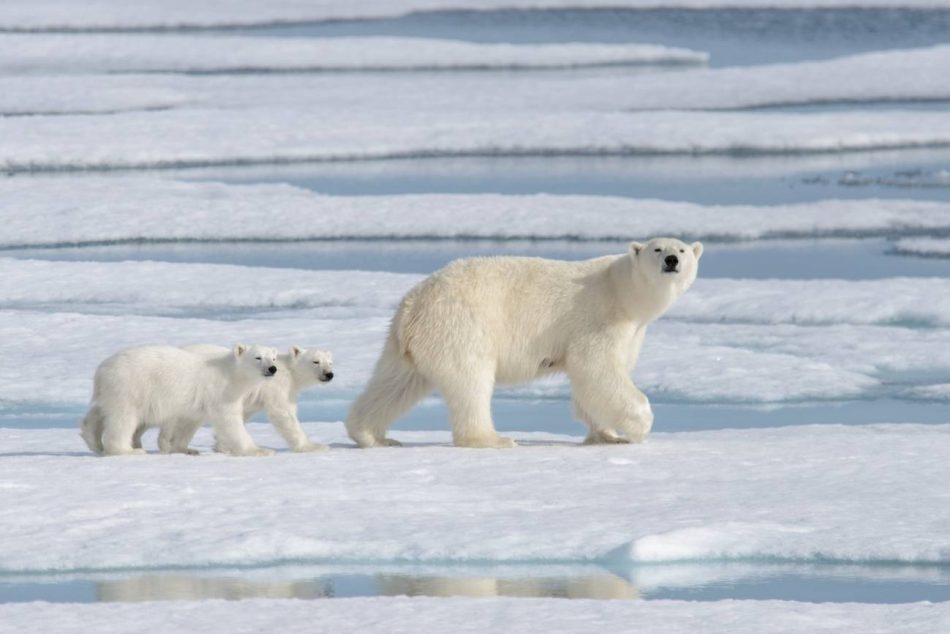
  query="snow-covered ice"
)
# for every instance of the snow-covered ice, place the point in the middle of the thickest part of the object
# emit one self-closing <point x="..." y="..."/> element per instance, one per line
<point x="139" y="53"/>
<point x="798" y="494"/>
<point x="898" y="75"/>
<point x="932" y="247"/>
<point x="71" y="210"/>
<point x="199" y="136"/>
<point x="530" y="616"/>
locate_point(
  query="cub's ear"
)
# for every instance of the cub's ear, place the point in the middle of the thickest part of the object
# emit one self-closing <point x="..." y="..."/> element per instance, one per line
<point x="697" y="249"/>
<point x="635" y="248"/>
<point x="295" y="351"/>
<point x="239" y="349"/>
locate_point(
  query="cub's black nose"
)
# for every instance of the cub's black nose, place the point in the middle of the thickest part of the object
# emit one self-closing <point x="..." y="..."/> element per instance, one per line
<point x="328" y="376"/>
<point x="671" y="261"/>
<point x="272" y="370"/>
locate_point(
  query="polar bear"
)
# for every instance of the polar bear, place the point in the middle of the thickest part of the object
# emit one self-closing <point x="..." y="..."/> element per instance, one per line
<point x="174" y="390"/>
<point x="502" y="320"/>
<point x="297" y="370"/>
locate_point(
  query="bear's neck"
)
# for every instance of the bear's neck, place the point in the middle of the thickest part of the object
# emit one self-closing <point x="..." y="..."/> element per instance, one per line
<point x="298" y="379"/>
<point x="639" y="301"/>
<point x="235" y="381"/>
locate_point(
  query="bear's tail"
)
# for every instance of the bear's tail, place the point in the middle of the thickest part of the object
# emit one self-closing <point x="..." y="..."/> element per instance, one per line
<point x="395" y="387"/>
<point x="91" y="429"/>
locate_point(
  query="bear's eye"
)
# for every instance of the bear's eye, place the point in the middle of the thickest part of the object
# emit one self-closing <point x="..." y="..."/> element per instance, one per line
<point x="657" y="250"/>
<point x="258" y="358"/>
<point x="317" y="362"/>
<point x="682" y="251"/>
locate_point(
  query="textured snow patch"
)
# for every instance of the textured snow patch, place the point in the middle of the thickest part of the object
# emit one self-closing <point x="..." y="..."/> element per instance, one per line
<point x="729" y="540"/>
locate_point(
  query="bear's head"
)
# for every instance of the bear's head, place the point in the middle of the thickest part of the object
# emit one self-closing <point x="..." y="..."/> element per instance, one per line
<point x="256" y="359"/>
<point x="667" y="263"/>
<point x="310" y="363"/>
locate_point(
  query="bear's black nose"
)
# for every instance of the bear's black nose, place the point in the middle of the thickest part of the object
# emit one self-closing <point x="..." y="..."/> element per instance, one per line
<point x="272" y="370"/>
<point x="328" y="376"/>
<point x="671" y="261"/>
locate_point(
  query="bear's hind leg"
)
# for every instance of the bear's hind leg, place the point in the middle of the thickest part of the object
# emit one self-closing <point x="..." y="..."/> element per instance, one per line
<point x="118" y="429"/>
<point x="469" y="406"/>
<point x="395" y="387"/>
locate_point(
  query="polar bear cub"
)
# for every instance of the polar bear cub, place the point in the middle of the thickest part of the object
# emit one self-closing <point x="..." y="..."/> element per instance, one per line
<point x="485" y="321"/>
<point x="297" y="370"/>
<point x="174" y="390"/>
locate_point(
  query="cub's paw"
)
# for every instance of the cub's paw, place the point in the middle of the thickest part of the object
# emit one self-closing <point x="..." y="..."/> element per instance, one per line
<point x="491" y="442"/>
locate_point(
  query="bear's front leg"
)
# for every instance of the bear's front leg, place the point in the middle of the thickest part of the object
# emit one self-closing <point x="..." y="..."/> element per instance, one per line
<point x="231" y="436"/>
<point x="287" y="423"/>
<point x="605" y="394"/>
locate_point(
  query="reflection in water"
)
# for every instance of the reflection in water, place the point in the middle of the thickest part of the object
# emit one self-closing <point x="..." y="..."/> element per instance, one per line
<point x="598" y="586"/>
<point x="183" y="586"/>
<point x="711" y="581"/>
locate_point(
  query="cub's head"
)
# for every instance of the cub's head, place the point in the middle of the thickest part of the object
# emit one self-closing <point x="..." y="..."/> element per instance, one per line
<point x="312" y="363"/>
<point x="667" y="262"/>
<point x="257" y="359"/>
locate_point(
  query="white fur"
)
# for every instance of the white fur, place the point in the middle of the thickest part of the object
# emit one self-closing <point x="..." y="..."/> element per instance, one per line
<point x="174" y="390"/>
<point x="297" y="370"/>
<point x="486" y="321"/>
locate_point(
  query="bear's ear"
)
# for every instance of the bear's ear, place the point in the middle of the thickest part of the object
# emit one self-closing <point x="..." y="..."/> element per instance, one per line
<point x="635" y="248"/>
<point x="697" y="249"/>
<point x="239" y="349"/>
<point x="295" y="351"/>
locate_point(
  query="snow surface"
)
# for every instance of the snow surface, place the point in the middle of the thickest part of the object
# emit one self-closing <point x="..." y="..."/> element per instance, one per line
<point x="70" y="210"/>
<point x="873" y="494"/>
<point x="132" y="53"/>
<point x="897" y="75"/>
<point x="411" y="615"/>
<point x="934" y="247"/>
<point x="117" y="14"/>
<point x="204" y="137"/>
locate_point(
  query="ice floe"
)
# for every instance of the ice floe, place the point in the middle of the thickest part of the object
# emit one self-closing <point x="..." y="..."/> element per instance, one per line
<point x="932" y="247"/>
<point x="148" y="53"/>
<point x="268" y="135"/>
<point x="69" y="210"/>
<point x="899" y="76"/>
<point x="798" y="494"/>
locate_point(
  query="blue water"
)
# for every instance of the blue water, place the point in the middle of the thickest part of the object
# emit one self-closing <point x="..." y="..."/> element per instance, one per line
<point x="733" y="36"/>
<point x="710" y="180"/>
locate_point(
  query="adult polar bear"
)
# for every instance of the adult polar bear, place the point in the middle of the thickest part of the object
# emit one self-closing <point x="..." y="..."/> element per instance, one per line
<point x="486" y="321"/>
